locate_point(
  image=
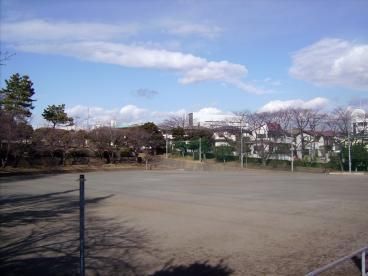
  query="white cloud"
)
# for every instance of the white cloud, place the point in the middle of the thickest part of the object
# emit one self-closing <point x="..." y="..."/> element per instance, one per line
<point x="211" y="114"/>
<point x="272" y="82"/>
<point x="81" y="40"/>
<point x="186" y="29"/>
<point x="222" y="70"/>
<point x="41" y="30"/>
<point x="250" y="88"/>
<point x="128" y="114"/>
<point x="277" y="105"/>
<point x="333" y="62"/>
<point x="131" y="114"/>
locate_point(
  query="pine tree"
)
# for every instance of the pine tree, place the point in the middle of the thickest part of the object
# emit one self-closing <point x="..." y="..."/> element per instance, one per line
<point x="16" y="97"/>
<point x="16" y="104"/>
<point x="56" y="115"/>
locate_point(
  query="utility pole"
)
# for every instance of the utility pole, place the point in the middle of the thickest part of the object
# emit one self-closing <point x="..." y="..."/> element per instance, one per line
<point x="167" y="145"/>
<point x="241" y="144"/>
<point x="88" y="119"/>
<point x="246" y="159"/>
<point x="291" y="150"/>
<point x="292" y="158"/>
<point x="349" y="147"/>
<point x="200" y="149"/>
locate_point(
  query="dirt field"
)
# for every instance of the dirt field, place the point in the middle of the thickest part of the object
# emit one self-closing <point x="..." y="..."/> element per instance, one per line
<point x="162" y="222"/>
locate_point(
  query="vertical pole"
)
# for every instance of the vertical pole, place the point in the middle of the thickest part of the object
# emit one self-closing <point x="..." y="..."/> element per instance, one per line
<point x="363" y="264"/>
<point x="349" y="147"/>
<point x="81" y="225"/>
<point x="200" y="149"/>
<point x="292" y="150"/>
<point x="167" y="145"/>
<point x="241" y="145"/>
<point x="246" y="160"/>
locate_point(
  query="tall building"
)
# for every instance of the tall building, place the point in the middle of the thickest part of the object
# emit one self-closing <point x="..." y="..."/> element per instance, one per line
<point x="190" y="119"/>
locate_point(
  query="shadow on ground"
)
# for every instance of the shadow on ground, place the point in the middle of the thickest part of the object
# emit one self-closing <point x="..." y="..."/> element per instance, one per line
<point x="358" y="263"/>
<point x="195" y="269"/>
<point x="40" y="236"/>
<point x="25" y="176"/>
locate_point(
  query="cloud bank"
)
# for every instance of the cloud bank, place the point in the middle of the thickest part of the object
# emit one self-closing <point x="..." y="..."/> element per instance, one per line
<point x="277" y="105"/>
<point x="333" y="62"/>
<point x="85" y="116"/>
<point x="95" y="42"/>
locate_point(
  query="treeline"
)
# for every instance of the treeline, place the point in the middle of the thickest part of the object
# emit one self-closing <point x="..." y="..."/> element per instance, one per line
<point x="308" y="136"/>
<point x="262" y="136"/>
<point x="20" y="143"/>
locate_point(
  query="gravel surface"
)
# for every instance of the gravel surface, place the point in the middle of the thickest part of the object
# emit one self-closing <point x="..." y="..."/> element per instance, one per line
<point x="252" y="222"/>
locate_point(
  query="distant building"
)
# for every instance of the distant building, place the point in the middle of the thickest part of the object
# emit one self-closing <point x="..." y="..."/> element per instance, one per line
<point x="190" y="119"/>
<point x="359" y="122"/>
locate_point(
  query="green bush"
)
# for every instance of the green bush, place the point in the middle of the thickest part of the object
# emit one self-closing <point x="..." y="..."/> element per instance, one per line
<point x="253" y="160"/>
<point x="278" y="163"/>
<point x="210" y="155"/>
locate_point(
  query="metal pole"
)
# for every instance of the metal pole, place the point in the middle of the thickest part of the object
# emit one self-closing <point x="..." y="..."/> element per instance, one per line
<point x="292" y="150"/>
<point x="241" y="145"/>
<point x="166" y="146"/>
<point x="246" y="161"/>
<point x="363" y="264"/>
<point x="81" y="225"/>
<point x="339" y="261"/>
<point x="349" y="147"/>
<point x="200" y="149"/>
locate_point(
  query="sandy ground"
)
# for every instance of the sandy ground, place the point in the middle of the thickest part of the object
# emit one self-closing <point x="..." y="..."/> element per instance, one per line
<point x="251" y="222"/>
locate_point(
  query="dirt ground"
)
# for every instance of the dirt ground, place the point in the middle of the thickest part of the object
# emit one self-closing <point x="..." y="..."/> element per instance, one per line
<point x="183" y="222"/>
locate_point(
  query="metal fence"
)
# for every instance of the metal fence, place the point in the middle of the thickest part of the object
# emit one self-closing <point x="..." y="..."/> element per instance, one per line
<point x="363" y="252"/>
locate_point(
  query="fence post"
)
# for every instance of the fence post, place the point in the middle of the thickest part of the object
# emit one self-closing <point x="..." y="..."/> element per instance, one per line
<point x="364" y="273"/>
<point x="81" y="225"/>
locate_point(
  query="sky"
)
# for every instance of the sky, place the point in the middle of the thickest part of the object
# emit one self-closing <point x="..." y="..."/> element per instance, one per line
<point x="137" y="61"/>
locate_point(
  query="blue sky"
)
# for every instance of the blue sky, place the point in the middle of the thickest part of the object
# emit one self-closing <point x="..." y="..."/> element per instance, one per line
<point x="134" y="61"/>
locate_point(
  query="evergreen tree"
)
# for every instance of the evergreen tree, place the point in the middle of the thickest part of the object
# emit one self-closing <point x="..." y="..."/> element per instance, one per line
<point x="16" y="104"/>
<point x="16" y="98"/>
<point x="56" y="115"/>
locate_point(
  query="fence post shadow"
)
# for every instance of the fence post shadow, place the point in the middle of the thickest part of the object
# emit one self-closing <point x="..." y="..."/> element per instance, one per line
<point x="40" y="236"/>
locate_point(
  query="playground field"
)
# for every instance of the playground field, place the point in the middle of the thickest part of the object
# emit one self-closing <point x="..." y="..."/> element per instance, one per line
<point x="251" y="222"/>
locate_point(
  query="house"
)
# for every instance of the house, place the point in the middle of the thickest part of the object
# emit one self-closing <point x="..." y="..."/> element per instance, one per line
<point x="318" y="145"/>
<point x="359" y="123"/>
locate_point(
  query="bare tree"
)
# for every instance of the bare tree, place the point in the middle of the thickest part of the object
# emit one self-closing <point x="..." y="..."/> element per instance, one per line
<point x="104" y="142"/>
<point x="174" y="121"/>
<point x="301" y="120"/>
<point x="315" y="127"/>
<point x="258" y="126"/>
<point x="4" y="57"/>
<point x="339" y="121"/>
<point x="283" y="118"/>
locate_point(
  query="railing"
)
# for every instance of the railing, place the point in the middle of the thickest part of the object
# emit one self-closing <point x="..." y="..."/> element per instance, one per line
<point x="363" y="252"/>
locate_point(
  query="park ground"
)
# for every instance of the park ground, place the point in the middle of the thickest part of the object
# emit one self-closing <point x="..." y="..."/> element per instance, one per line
<point x="183" y="222"/>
